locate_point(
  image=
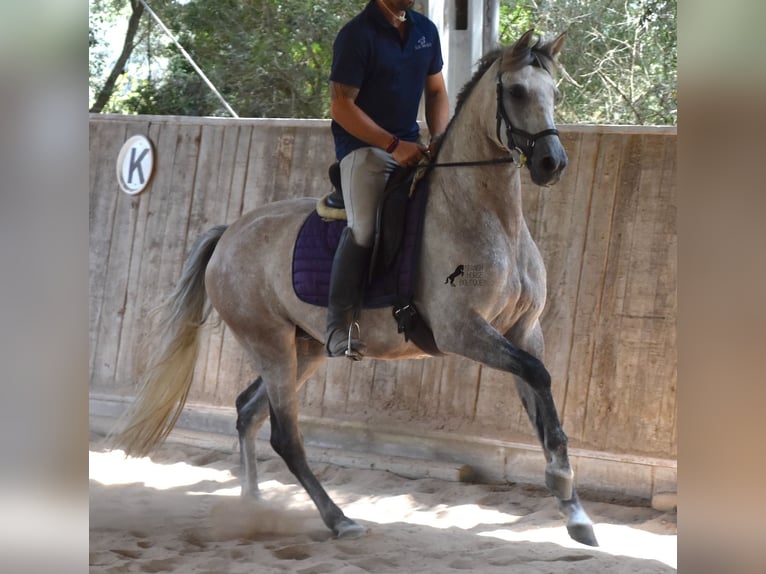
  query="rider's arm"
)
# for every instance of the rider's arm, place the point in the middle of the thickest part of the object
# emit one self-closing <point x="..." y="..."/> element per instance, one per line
<point x="344" y="110"/>
<point x="437" y="104"/>
<point x="352" y="118"/>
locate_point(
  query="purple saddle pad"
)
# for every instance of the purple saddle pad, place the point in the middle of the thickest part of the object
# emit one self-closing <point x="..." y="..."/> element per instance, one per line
<point x="315" y="248"/>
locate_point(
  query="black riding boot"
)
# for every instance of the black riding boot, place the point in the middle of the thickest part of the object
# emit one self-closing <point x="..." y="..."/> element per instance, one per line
<point x="346" y="283"/>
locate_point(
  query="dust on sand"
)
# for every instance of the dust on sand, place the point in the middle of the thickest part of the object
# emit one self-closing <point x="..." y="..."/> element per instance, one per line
<point x="180" y="511"/>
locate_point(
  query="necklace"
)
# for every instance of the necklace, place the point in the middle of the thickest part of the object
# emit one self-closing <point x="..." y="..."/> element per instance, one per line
<point x="401" y="18"/>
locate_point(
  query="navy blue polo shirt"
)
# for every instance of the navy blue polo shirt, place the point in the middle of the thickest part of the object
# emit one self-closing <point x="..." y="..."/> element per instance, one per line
<point x="369" y="54"/>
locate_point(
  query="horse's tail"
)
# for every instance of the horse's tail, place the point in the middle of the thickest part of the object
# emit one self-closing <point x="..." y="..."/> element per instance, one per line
<point x="171" y="352"/>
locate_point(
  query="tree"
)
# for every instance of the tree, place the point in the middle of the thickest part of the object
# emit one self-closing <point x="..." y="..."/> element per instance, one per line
<point x="620" y="56"/>
<point x="268" y="58"/>
<point x="127" y="24"/>
<point x="137" y="10"/>
<point x="271" y="58"/>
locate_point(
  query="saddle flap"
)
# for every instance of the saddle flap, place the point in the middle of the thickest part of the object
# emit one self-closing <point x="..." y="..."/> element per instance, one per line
<point x="391" y="214"/>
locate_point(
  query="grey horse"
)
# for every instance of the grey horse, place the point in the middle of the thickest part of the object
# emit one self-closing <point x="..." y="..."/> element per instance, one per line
<point x="503" y="120"/>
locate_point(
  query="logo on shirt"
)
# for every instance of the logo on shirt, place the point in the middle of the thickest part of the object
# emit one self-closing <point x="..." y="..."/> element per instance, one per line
<point x="422" y="43"/>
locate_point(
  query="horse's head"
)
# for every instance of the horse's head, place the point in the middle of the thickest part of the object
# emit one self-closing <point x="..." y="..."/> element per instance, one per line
<point x="526" y="94"/>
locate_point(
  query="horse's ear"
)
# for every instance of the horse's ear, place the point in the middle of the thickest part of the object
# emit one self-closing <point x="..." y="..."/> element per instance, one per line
<point x="554" y="47"/>
<point x="522" y="44"/>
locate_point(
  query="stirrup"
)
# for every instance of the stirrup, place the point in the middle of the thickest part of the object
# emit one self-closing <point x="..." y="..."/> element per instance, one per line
<point x="353" y="354"/>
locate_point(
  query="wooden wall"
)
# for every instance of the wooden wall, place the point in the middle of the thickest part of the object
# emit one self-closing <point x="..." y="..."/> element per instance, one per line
<point x="607" y="232"/>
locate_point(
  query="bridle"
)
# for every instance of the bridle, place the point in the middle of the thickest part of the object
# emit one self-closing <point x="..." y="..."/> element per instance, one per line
<point x="524" y="150"/>
<point x="519" y="153"/>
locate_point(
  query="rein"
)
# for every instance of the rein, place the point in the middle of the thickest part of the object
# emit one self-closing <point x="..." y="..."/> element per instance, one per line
<point x="517" y="161"/>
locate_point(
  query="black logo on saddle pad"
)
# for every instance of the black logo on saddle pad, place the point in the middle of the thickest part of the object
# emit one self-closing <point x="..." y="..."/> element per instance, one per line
<point x="456" y="273"/>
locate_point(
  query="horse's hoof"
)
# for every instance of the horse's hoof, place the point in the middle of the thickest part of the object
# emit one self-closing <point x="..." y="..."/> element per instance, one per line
<point x="252" y="494"/>
<point x="582" y="533"/>
<point x="560" y="482"/>
<point x="349" y="529"/>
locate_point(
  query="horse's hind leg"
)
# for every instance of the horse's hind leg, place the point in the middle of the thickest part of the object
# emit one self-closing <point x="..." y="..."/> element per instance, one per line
<point x="253" y="409"/>
<point x="558" y="474"/>
<point x="279" y="364"/>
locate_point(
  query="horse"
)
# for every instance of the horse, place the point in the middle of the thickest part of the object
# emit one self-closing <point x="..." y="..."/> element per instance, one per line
<point x="503" y="120"/>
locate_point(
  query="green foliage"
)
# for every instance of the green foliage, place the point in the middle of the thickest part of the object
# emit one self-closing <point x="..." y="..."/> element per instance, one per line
<point x="268" y="58"/>
<point x="271" y="58"/>
<point x="620" y="56"/>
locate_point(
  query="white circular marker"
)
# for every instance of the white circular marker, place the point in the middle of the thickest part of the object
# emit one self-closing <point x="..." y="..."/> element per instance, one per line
<point x="135" y="164"/>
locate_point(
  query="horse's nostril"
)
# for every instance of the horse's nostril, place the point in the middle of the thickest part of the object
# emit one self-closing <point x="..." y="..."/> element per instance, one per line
<point x="548" y="164"/>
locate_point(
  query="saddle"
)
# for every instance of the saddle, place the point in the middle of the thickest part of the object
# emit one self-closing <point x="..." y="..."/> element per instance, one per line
<point x="393" y="265"/>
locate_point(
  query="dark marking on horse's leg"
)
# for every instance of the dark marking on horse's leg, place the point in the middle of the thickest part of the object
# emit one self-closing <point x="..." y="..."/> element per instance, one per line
<point x="579" y="525"/>
<point x="252" y="410"/>
<point x="559" y="479"/>
<point x="481" y="342"/>
<point x="287" y="443"/>
<point x="541" y="409"/>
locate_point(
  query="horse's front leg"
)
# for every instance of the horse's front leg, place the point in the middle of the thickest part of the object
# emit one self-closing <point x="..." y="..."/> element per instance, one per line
<point x="540" y="407"/>
<point x="479" y="341"/>
<point x="558" y="470"/>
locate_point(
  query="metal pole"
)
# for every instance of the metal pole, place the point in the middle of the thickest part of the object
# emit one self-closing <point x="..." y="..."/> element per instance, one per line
<point x="189" y="58"/>
<point x="490" y="36"/>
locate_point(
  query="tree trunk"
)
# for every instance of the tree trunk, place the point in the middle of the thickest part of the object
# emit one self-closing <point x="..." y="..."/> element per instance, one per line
<point x="119" y="65"/>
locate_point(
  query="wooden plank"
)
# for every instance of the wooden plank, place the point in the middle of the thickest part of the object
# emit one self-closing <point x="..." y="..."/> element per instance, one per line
<point x="407" y="389"/>
<point x="645" y="312"/>
<point x="667" y="285"/>
<point x="498" y="406"/>
<point x="154" y="207"/>
<point x="207" y="207"/>
<point x="607" y="234"/>
<point x="311" y="397"/>
<point x="337" y="386"/>
<point x="262" y="162"/>
<point x="607" y="153"/>
<point x="116" y="278"/>
<point x="313" y="152"/>
<point x="458" y="387"/>
<point x="234" y="372"/>
<point x="636" y="423"/>
<point x="384" y="386"/>
<point x="430" y="387"/>
<point x="133" y="331"/>
<point x="178" y="198"/>
<point x="605" y="387"/>
<point x="105" y="139"/>
<point x="359" y="393"/>
<point x="562" y="240"/>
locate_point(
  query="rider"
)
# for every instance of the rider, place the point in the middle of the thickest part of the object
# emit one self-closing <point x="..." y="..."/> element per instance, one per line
<point x="384" y="60"/>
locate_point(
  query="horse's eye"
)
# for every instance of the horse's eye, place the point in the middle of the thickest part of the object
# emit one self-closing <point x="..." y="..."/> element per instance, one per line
<point x="517" y="91"/>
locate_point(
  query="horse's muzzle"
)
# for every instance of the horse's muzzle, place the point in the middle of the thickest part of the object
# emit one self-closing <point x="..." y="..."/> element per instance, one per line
<point x="548" y="161"/>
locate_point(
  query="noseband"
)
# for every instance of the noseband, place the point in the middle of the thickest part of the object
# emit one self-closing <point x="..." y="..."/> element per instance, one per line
<point x="520" y="152"/>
